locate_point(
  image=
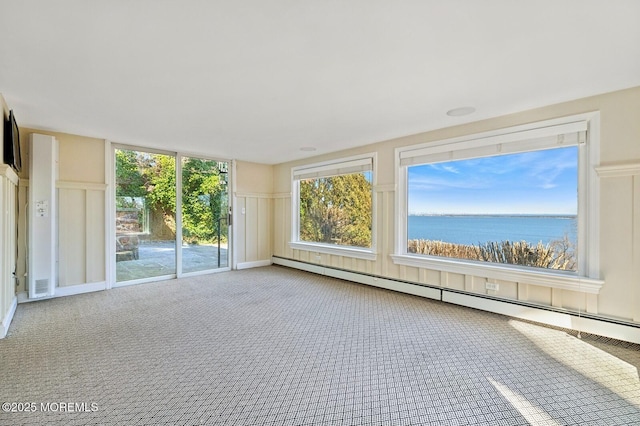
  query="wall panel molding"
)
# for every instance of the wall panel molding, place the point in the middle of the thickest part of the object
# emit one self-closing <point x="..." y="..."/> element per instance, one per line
<point x="81" y="226"/>
<point x="254" y="225"/>
<point x="72" y="185"/>
<point x="252" y="195"/>
<point x="612" y="170"/>
<point x="385" y="188"/>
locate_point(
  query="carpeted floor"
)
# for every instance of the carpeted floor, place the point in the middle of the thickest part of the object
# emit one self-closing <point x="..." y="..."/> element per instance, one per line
<point x="274" y="346"/>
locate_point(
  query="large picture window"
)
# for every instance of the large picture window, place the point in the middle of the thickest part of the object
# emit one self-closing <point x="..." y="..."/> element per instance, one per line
<point x="519" y="209"/>
<point x="333" y="206"/>
<point x="518" y="204"/>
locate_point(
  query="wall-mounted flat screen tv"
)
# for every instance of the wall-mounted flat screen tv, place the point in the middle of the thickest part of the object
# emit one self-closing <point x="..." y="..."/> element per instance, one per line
<point x="11" y="148"/>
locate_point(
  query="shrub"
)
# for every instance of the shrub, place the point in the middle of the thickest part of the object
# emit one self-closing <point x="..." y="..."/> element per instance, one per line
<point x="559" y="255"/>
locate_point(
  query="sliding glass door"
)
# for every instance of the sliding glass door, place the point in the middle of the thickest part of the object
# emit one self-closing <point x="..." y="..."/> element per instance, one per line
<point x="146" y="225"/>
<point x="145" y="215"/>
<point x="205" y="213"/>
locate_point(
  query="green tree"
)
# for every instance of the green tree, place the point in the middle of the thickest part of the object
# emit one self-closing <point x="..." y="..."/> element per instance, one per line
<point x="336" y="210"/>
<point x="152" y="178"/>
<point x="129" y="180"/>
<point x="203" y="200"/>
<point x="160" y="178"/>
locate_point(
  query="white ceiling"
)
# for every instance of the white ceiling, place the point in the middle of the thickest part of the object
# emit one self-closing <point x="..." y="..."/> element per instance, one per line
<point x="257" y="80"/>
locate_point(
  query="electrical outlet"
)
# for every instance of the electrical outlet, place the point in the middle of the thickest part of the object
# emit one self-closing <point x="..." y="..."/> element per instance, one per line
<point x="492" y="286"/>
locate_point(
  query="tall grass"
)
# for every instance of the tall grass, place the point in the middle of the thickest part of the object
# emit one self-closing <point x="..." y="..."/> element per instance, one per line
<point x="558" y="255"/>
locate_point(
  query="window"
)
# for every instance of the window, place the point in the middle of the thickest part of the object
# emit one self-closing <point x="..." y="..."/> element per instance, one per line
<point x="517" y="209"/>
<point x="333" y="207"/>
<point x="522" y="199"/>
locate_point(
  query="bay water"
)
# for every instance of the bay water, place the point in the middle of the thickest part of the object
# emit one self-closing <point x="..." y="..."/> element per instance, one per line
<point x="479" y="229"/>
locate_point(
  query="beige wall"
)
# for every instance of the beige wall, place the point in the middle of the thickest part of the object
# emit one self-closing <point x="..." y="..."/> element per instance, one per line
<point x="81" y="159"/>
<point x="254" y="178"/>
<point x="254" y="213"/>
<point x="620" y="209"/>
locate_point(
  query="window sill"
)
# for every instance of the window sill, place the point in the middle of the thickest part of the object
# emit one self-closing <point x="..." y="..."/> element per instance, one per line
<point x="503" y="272"/>
<point x="355" y="252"/>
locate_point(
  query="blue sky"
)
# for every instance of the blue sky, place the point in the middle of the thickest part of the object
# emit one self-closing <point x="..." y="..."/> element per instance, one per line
<point x="539" y="182"/>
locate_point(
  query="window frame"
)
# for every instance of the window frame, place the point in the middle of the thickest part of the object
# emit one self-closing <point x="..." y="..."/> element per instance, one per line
<point x="319" y="168"/>
<point x="587" y="277"/>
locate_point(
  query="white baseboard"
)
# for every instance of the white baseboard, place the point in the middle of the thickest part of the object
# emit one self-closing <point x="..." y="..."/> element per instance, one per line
<point x="66" y="291"/>
<point x="604" y="328"/>
<point x="80" y="288"/>
<point x="6" y="321"/>
<point x="601" y="327"/>
<point x="254" y="264"/>
<point x="403" y="287"/>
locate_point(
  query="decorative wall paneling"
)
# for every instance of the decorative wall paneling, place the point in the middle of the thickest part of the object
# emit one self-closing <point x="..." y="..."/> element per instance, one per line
<point x="8" y="245"/>
<point x="254" y="225"/>
<point x="81" y="237"/>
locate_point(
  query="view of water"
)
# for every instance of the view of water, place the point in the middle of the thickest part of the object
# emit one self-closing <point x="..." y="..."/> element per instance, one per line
<point x="471" y="229"/>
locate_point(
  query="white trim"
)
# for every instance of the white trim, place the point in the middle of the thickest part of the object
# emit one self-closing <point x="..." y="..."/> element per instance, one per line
<point x="63" y="184"/>
<point x="543" y="278"/>
<point x="71" y="290"/>
<point x="144" y="280"/>
<point x="385" y="188"/>
<point x="347" y="251"/>
<point x="110" y="214"/>
<point x="126" y="147"/>
<point x="254" y="264"/>
<point x="360" y="253"/>
<point x="549" y="124"/>
<point x="233" y="203"/>
<point x="253" y="195"/>
<point x="205" y="272"/>
<point x="9" y="173"/>
<point x="6" y="321"/>
<point x="335" y="163"/>
<point x="504" y="141"/>
<point x="80" y="288"/>
<point x="309" y="267"/>
<point x="178" y="214"/>
<point x="333" y="168"/>
<point x="281" y="195"/>
<point x="557" y="319"/>
<point x="589" y="216"/>
<point x="619" y="169"/>
<point x="401" y="207"/>
<point x="374" y="204"/>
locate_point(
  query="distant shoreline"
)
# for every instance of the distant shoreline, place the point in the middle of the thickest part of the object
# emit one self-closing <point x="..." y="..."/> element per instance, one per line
<point x="567" y="216"/>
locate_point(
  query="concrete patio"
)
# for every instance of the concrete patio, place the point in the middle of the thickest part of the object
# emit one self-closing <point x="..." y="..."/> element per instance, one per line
<point x="156" y="258"/>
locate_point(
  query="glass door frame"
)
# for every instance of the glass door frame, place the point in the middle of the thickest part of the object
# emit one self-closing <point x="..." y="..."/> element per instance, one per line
<point x="110" y="228"/>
